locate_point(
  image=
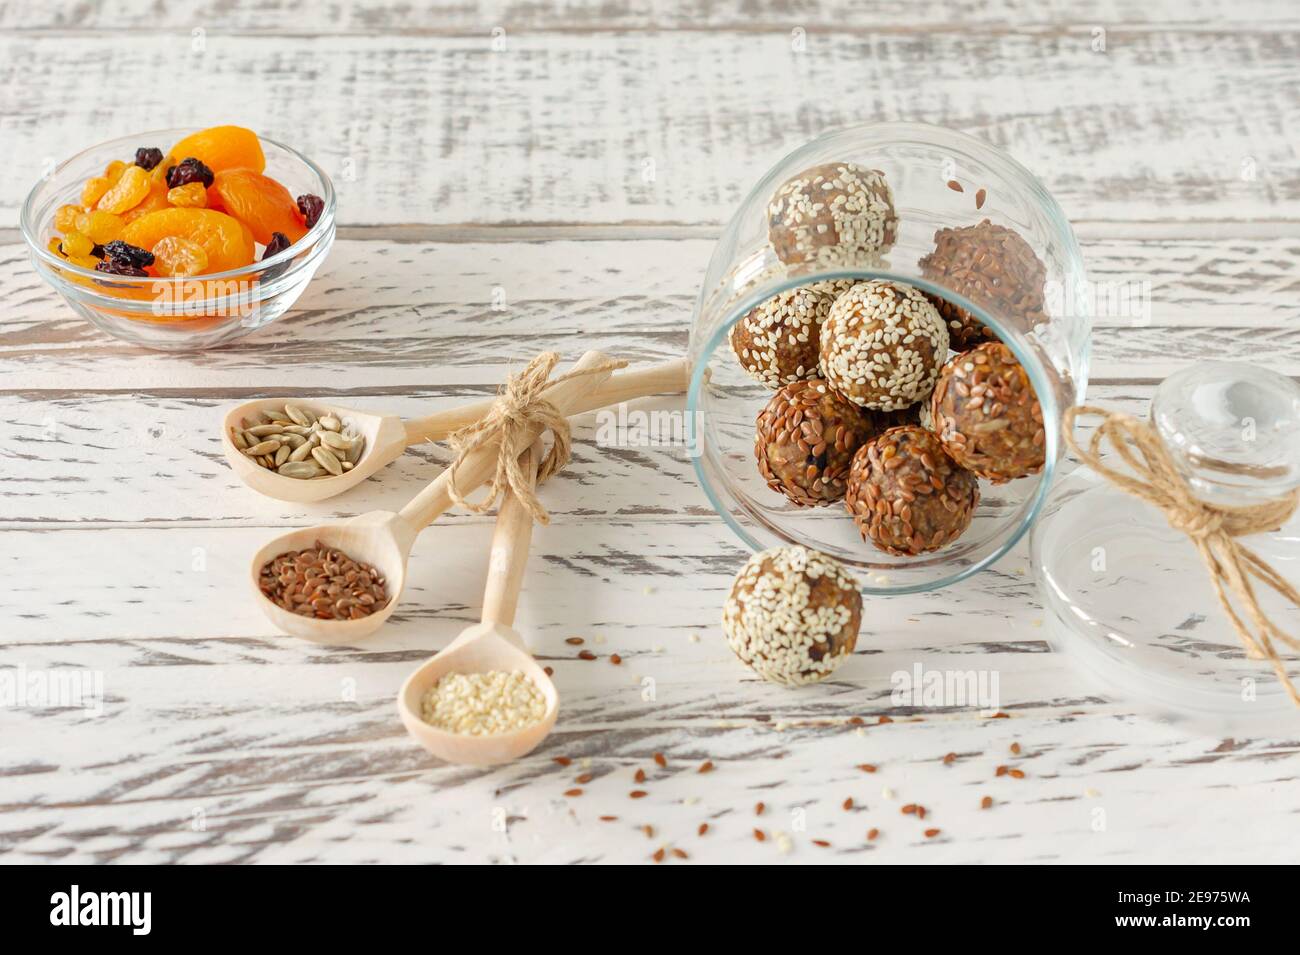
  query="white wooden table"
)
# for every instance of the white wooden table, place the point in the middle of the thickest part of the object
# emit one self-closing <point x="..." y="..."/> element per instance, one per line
<point x="478" y="146"/>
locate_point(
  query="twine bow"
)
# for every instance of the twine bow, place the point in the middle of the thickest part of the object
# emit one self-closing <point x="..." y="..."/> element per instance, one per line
<point x="520" y="407"/>
<point x="1212" y="528"/>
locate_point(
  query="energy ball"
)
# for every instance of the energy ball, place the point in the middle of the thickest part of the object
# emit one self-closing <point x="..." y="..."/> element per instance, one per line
<point x="985" y="412"/>
<point x="907" y="496"/>
<point x="778" y="342"/>
<point x="833" y="213"/>
<point x="793" y="615"/>
<point x="882" y="345"/>
<point x="993" y="267"/>
<point x="804" y="442"/>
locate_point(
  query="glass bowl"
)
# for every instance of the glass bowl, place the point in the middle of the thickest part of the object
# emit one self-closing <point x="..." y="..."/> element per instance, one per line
<point x="923" y="166"/>
<point x="178" y="314"/>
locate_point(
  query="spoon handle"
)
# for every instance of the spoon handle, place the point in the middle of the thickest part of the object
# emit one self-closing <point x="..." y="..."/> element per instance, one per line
<point x="478" y="467"/>
<point x="509" y="555"/>
<point x="668" y="378"/>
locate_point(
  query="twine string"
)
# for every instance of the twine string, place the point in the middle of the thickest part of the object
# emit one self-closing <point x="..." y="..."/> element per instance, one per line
<point x="520" y="408"/>
<point x="1213" y="529"/>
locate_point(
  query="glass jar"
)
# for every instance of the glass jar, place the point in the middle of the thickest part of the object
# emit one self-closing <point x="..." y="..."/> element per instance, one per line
<point x="940" y="180"/>
<point x="1129" y="599"/>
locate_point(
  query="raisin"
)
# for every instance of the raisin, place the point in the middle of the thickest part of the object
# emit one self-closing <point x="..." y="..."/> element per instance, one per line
<point x="146" y="157"/>
<point x="279" y="242"/>
<point x="311" y="207"/>
<point x="97" y="250"/>
<point x="126" y="254"/>
<point x="189" y="170"/>
<point x="118" y="267"/>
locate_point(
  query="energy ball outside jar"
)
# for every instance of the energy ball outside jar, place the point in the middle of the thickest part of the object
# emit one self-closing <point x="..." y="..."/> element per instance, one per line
<point x="882" y="345"/>
<point x="985" y="412"/>
<point x="993" y="267"/>
<point x="793" y="615"/>
<point x="778" y="342"/>
<point x="907" y="496"/>
<point x="804" y="441"/>
<point x="833" y="213"/>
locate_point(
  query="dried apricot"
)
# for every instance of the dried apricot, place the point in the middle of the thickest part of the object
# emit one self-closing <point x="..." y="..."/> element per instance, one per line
<point x="192" y="195"/>
<point x="174" y="256"/>
<point x="157" y="199"/>
<point x="222" y="238"/>
<point x="74" y="243"/>
<point x="65" y="218"/>
<point x="95" y="187"/>
<point x="55" y="246"/>
<point x="127" y="193"/>
<point x="223" y="147"/>
<point x="101" y="227"/>
<point x="260" y="203"/>
<point x="113" y="171"/>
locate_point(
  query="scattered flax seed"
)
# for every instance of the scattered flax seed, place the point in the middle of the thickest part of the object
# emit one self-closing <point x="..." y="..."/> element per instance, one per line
<point x="584" y="779"/>
<point x="680" y="853"/>
<point x="574" y="641"/>
<point x="640" y="776"/>
<point x="986" y="802"/>
<point x="821" y="842"/>
<point x="980" y="196"/>
<point x="609" y="818"/>
<point x="999" y="715"/>
<point x="586" y="655"/>
<point x="955" y="186"/>
<point x="950" y="758"/>
<point x="549" y="671"/>
<point x="704" y="827"/>
<point x="931" y="833"/>
<point x="649" y="831"/>
<point x="658" y="856"/>
<point x="920" y="812"/>
<point x="706" y="766"/>
<point x="758" y="809"/>
<point x="563" y="760"/>
<point x="760" y="835"/>
<point x="637" y="794"/>
<point x="871" y="834"/>
<point x="1015" y="748"/>
<point x="661" y="760"/>
<point x="1016" y="773"/>
<point x="867" y="767"/>
<point x="884" y="719"/>
<point x="573" y="792"/>
<point x="615" y="659"/>
<point x="855" y="721"/>
<point x="1000" y="771"/>
<point x="909" y="809"/>
<point x="848" y="804"/>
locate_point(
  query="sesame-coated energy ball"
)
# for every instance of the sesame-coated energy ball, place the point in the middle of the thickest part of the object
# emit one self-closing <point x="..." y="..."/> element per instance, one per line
<point x="778" y="342"/>
<point x="793" y="615"/>
<point x="833" y="213"/>
<point x="985" y="412"/>
<point x="907" y="496"/>
<point x="993" y="267"/>
<point x="804" y="442"/>
<point x="834" y="287"/>
<point x="882" y="345"/>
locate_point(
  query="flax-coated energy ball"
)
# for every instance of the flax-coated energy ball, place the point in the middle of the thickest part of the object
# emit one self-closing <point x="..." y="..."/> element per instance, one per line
<point x="793" y="615"/>
<point x="987" y="415"/>
<point x="882" y="345"/>
<point x="907" y="496"/>
<point x="778" y="342"/>
<point x="993" y="267"/>
<point x="836" y="213"/>
<point x="804" y="441"/>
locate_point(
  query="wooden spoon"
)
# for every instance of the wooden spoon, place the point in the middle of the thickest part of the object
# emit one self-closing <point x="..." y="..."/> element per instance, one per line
<point x="383" y="539"/>
<point x="387" y="436"/>
<point x="490" y="645"/>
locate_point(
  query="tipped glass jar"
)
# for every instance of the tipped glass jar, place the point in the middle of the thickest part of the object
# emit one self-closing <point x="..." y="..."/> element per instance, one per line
<point x="944" y="219"/>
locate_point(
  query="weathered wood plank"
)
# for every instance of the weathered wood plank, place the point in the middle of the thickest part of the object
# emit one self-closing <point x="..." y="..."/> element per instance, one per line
<point x="557" y="128"/>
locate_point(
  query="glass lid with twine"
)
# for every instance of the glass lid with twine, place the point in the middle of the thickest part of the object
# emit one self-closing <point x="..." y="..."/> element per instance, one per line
<point x="1168" y="564"/>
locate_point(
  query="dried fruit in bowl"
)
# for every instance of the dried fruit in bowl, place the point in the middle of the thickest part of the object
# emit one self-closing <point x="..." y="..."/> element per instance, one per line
<point x="128" y="192"/>
<point x="223" y="147"/>
<point x="259" y="202"/>
<point x="153" y="202"/>
<point x="192" y="195"/>
<point x="176" y="257"/>
<point x="222" y="238"/>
